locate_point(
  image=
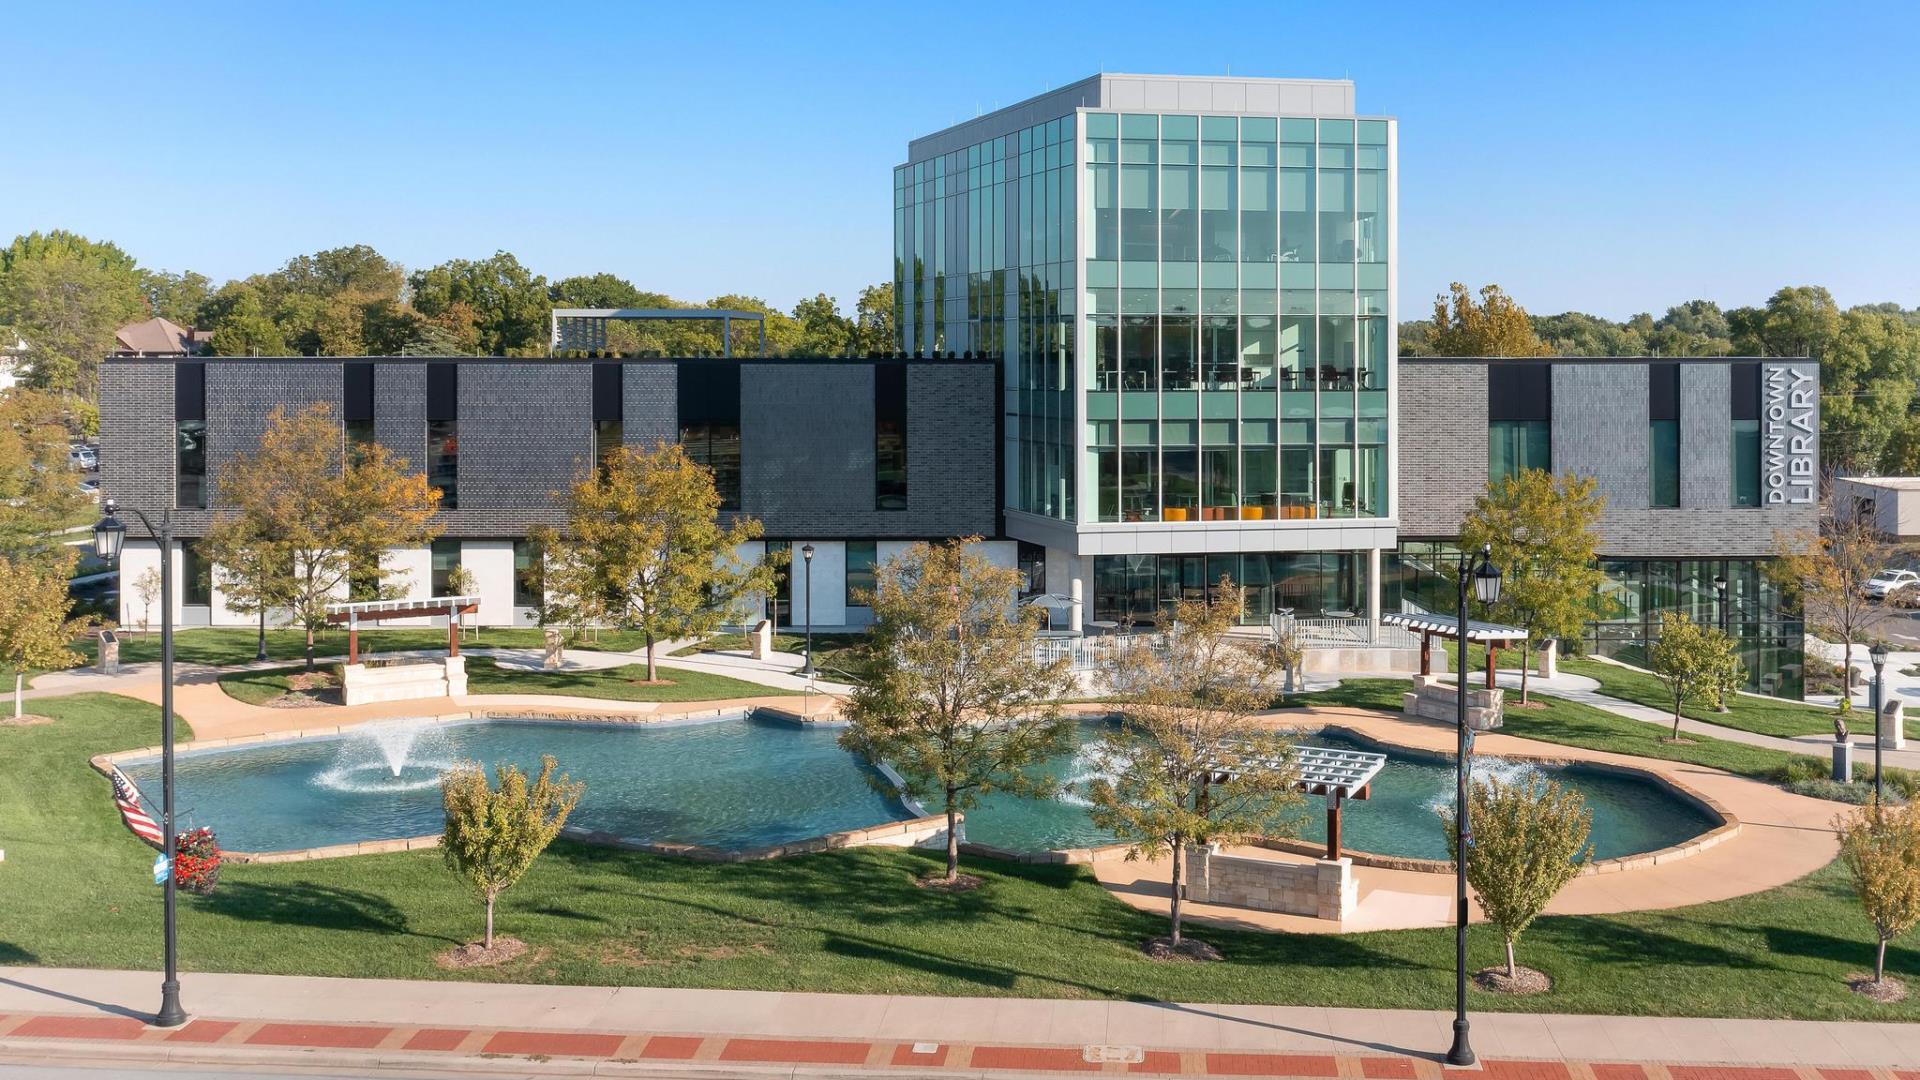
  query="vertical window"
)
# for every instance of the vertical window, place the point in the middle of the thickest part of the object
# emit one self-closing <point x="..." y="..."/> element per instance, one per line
<point x="1519" y="418"/>
<point x="1663" y="436"/>
<point x="889" y="437"/>
<point x="356" y="398"/>
<point x="860" y="559"/>
<point x="196" y="575"/>
<point x="709" y="405"/>
<point x="608" y="429"/>
<point x="1746" y="434"/>
<point x="443" y="434"/>
<point x="526" y="575"/>
<point x="446" y="559"/>
<point x="190" y="436"/>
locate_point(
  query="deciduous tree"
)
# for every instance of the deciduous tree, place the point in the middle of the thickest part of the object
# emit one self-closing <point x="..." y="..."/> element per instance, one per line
<point x="334" y="515"/>
<point x="39" y="496"/>
<point x="67" y="307"/>
<point x="493" y="835"/>
<point x="510" y="303"/>
<point x="959" y="701"/>
<point x="1190" y="764"/>
<point x="255" y="568"/>
<point x="1495" y="326"/>
<point x="874" y="320"/>
<point x="1880" y="846"/>
<point x="1543" y="532"/>
<point x="34" y="628"/>
<point x="147" y="587"/>
<point x="1697" y="663"/>
<point x="1529" y="839"/>
<point x="1825" y="573"/>
<point x="644" y="547"/>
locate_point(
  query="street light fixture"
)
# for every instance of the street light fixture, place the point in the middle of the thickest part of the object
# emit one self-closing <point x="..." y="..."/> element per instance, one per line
<point x="1720" y="589"/>
<point x="806" y="556"/>
<point x="1485" y="580"/>
<point x="1878" y="654"/>
<point x="109" y="537"/>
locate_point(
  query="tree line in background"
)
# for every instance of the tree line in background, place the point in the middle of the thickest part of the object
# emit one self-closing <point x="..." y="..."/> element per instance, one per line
<point x="63" y="296"/>
<point x="1869" y="355"/>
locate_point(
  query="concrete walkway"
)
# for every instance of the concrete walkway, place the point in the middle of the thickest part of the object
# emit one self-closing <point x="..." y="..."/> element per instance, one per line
<point x="315" y="1022"/>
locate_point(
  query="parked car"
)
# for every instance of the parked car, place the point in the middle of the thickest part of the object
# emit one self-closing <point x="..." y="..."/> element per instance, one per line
<point x="83" y="457"/>
<point x="1888" y="582"/>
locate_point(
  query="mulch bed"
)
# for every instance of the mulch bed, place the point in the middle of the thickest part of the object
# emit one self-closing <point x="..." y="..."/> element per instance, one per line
<point x="1188" y="951"/>
<point x="962" y="883"/>
<point x="1887" y="991"/>
<point x="1525" y="980"/>
<point x="473" y="954"/>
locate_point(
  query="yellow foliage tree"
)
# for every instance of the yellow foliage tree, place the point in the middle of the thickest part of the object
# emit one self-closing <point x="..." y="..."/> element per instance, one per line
<point x="34" y="628"/>
<point x="1881" y="848"/>
<point x="1496" y="326"/>
<point x="494" y="835"/>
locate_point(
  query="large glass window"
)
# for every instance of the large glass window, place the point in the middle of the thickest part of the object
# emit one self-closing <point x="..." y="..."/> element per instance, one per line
<point x="1514" y="446"/>
<point x="709" y="402"/>
<point x="443" y="432"/>
<point x="1176" y="352"/>
<point x="190" y="436"/>
<point x="861" y="557"/>
<point x="196" y="573"/>
<point x="1181" y="468"/>
<point x="446" y="559"/>
<point x="1106" y="352"/>
<point x="1664" y="462"/>
<point x="1137" y="351"/>
<point x="526" y="575"/>
<point x="890" y="437"/>
<point x="1745" y="408"/>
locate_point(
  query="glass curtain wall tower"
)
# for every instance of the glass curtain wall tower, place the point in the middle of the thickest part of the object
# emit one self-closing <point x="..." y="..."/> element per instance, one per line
<point x="1191" y="283"/>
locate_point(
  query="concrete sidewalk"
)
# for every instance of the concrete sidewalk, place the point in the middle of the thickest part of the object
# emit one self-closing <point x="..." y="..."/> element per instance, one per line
<point x="438" y="1024"/>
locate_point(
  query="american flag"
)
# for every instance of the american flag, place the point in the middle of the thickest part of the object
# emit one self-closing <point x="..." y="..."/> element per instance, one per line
<point x="127" y="798"/>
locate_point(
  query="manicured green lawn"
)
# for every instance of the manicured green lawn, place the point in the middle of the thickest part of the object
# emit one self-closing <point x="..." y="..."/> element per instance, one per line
<point x="1575" y="724"/>
<point x="260" y="686"/>
<point x="225" y="645"/>
<point x="76" y="891"/>
<point x="840" y="657"/>
<point x="626" y="683"/>
<point x="1765" y="716"/>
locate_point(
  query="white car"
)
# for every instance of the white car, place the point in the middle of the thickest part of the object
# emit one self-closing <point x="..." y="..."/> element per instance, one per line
<point x="1887" y="582"/>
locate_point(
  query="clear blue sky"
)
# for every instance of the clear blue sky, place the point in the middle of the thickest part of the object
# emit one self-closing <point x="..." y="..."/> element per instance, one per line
<point x="1611" y="158"/>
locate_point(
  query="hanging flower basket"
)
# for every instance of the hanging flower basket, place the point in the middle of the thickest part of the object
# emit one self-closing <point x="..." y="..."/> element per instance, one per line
<point x="196" y="863"/>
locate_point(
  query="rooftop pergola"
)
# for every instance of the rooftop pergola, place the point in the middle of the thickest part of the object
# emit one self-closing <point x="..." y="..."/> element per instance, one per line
<point x="1447" y="627"/>
<point x="356" y="612"/>
<point x="585" y="329"/>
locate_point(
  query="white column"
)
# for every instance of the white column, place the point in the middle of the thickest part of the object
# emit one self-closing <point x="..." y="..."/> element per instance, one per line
<point x="1080" y="590"/>
<point x="1373" y="587"/>
<point x="491" y="564"/>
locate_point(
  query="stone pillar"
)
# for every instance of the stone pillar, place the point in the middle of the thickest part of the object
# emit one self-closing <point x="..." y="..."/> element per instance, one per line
<point x="1549" y="661"/>
<point x="1842" y="763"/>
<point x="556" y="652"/>
<point x="760" y="640"/>
<point x="1893" y="725"/>
<point x="1199" y="881"/>
<point x="1337" y="892"/>
<point x="109" y="662"/>
<point x="457" y="676"/>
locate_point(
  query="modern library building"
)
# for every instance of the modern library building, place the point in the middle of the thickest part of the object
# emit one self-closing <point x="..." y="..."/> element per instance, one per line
<point x="1146" y="340"/>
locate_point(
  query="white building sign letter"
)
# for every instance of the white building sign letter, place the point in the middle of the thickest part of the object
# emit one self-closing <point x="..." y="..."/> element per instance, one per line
<point x="1790" y="403"/>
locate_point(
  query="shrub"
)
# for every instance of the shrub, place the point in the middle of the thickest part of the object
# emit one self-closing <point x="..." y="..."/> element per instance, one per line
<point x="1881" y="849"/>
<point x="494" y="836"/>
<point x="1526" y="840"/>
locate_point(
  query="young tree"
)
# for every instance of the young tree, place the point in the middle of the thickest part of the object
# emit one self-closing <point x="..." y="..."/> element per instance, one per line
<point x="1827" y="572"/>
<point x="1190" y="764"/>
<point x="959" y="701"/>
<point x="34" y="628"/>
<point x="493" y="835"/>
<point x="1529" y="840"/>
<point x="645" y="549"/>
<point x="1697" y="663"/>
<point x="147" y="588"/>
<point x="1542" y="530"/>
<point x="331" y="514"/>
<point x="1881" y="847"/>
<point x="255" y="570"/>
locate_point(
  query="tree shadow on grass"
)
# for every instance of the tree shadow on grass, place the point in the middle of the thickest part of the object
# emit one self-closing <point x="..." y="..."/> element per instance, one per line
<point x="322" y="907"/>
<point x="14" y="954"/>
<point x="1839" y="948"/>
<point x="1606" y="941"/>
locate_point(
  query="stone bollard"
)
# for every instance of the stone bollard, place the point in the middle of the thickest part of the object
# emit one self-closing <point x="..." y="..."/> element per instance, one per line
<point x="1843" y="762"/>
<point x="555" y="655"/>
<point x="109" y="661"/>
<point x="1893" y="725"/>
<point x="1549" y="655"/>
<point x="760" y="639"/>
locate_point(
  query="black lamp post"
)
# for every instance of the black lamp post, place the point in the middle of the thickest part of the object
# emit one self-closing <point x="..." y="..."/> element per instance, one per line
<point x="1485" y="581"/>
<point x="108" y="538"/>
<point x="1720" y="588"/>
<point x="1878" y="654"/>
<point x="806" y="556"/>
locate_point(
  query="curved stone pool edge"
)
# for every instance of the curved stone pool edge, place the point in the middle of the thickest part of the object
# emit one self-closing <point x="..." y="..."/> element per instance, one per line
<point x="924" y="828"/>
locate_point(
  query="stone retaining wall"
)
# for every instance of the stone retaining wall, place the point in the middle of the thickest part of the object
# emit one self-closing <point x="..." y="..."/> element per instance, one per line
<point x="1322" y="889"/>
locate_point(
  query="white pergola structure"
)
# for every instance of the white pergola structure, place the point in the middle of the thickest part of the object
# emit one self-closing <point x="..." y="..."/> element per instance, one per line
<point x="356" y="612"/>
<point x="1336" y="774"/>
<point x="1492" y="635"/>
<point x="585" y="329"/>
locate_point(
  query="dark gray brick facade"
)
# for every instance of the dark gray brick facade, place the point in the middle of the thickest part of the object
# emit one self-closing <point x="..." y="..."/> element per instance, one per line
<point x="1600" y="429"/>
<point x="526" y="431"/>
<point x="1443" y="445"/>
